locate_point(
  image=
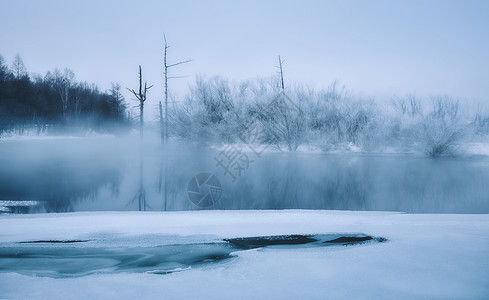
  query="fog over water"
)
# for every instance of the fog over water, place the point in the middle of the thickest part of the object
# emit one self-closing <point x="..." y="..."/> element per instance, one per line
<point x="103" y="173"/>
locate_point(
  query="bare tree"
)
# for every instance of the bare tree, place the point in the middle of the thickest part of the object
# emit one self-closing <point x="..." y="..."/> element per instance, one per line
<point x="62" y="82"/>
<point x="167" y="66"/>
<point x="280" y="62"/>
<point x="164" y="131"/>
<point x="284" y="117"/>
<point x="18" y="67"/>
<point x="141" y="96"/>
<point x="77" y="91"/>
<point x="408" y="105"/>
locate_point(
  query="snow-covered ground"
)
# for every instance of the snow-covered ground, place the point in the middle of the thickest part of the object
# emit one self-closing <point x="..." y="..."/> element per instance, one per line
<point x="427" y="256"/>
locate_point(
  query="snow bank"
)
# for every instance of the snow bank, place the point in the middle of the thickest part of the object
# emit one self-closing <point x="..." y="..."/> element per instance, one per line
<point x="427" y="257"/>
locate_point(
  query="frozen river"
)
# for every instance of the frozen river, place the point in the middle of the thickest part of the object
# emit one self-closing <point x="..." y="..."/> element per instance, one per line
<point x="209" y="255"/>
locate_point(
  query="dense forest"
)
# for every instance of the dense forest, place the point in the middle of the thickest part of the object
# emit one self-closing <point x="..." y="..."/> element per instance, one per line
<point x="56" y="102"/>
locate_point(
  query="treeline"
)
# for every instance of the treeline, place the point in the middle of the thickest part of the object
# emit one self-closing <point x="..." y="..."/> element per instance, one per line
<point x="260" y="112"/>
<point x="56" y="101"/>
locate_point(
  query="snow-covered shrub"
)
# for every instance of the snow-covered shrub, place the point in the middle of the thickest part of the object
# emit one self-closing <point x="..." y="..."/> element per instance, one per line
<point x="284" y="117"/>
<point x="480" y="124"/>
<point x="442" y="127"/>
<point x="216" y="111"/>
<point x="434" y="131"/>
<point x="440" y="137"/>
<point x="207" y="113"/>
<point x="404" y="122"/>
<point x="338" y="119"/>
<point x="323" y="114"/>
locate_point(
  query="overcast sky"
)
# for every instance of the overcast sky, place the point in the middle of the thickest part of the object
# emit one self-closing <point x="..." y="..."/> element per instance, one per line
<point x="375" y="48"/>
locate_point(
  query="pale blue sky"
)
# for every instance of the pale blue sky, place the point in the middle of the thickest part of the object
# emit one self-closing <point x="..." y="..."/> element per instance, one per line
<point x="375" y="48"/>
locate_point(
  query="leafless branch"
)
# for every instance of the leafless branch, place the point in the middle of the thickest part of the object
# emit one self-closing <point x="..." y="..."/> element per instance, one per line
<point x="176" y="77"/>
<point x="179" y="63"/>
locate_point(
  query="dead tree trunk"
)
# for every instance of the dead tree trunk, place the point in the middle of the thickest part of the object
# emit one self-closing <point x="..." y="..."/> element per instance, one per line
<point x="167" y="66"/>
<point x="162" y="136"/>
<point x="165" y="126"/>
<point x="280" y="62"/>
<point x="166" y="92"/>
<point x="141" y="96"/>
<point x="160" y="106"/>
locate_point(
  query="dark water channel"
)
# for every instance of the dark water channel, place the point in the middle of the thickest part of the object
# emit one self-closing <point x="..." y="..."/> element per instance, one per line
<point x="60" y="259"/>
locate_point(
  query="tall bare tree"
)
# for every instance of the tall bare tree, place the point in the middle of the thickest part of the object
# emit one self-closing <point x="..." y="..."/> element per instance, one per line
<point x="164" y="125"/>
<point x="141" y="96"/>
<point x="18" y="67"/>
<point x="168" y="66"/>
<point x="62" y="82"/>
<point x="280" y="63"/>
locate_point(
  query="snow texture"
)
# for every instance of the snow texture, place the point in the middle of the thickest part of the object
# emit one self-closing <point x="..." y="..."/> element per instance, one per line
<point x="428" y="256"/>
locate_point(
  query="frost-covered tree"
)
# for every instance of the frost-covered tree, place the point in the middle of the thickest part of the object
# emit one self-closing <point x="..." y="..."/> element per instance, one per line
<point x="117" y="102"/>
<point x="442" y="128"/>
<point x="62" y="81"/>
<point x="18" y="67"/>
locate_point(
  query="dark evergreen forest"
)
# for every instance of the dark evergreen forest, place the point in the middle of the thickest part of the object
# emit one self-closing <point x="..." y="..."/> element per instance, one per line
<point x="56" y="102"/>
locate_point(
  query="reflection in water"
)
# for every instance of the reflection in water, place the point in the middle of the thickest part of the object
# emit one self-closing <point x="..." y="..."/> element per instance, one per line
<point x="54" y="176"/>
<point x="106" y="171"/>
<point x="367" y="182"/>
